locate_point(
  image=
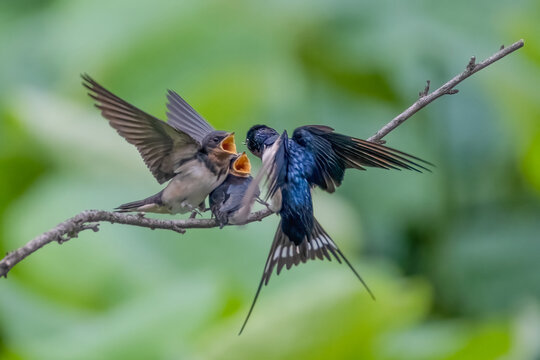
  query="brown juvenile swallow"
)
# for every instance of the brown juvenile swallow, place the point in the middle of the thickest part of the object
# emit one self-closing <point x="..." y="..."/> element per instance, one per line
<point x="226" y="199"/>
<point x="195" y="161"/>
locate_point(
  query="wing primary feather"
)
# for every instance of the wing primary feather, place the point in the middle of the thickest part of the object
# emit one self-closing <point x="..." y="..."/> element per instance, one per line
<point x="395" y="153"/>
<point x="397" y="160"/>
<point x="362" y="149"/>
<point x="183" y="117"/>
<point x="160" y="145"/>
<point x="368" y="158"/>
<point x="278" y="170"/>
<point x="387" y="148"/>
<point x="266" y="170"/>
<point x="334" y="152"/>
<point x="179" y="101"/>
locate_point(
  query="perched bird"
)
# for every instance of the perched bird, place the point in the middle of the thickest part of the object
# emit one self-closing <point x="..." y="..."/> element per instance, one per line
<point x="314" y="156"/>
<point x="226" y="199"/>
<point x="196" y="160"/>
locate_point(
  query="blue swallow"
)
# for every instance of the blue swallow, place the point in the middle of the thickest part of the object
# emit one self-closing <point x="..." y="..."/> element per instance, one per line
<point x="226" y="200"/>
<point x="186" y="150"/>
<point x="314" y="156"/>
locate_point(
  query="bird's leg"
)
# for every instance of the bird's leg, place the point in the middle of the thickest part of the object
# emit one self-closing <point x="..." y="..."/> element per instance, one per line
<point x="202" y="208"/>
<point x="195" y="212"/>
<point x="262" y="202"/>
<point x="199" y="210"/>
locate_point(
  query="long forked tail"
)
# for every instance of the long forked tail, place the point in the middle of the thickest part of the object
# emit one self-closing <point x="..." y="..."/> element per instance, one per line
<point x="286" y="253"/>
<point x="150" y="204"/>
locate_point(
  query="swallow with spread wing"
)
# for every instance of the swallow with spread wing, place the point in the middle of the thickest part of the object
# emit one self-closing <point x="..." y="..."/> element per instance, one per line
<point x="186" y="150"/>
<point x="314" y="156"/>
<point x="226" y="199"/>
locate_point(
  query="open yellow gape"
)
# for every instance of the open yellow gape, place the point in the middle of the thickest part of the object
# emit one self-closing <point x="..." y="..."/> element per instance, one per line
<point x="228" y="144"/>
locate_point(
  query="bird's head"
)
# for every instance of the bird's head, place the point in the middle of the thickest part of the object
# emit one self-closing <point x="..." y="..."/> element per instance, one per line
<point x="220" y="143"/>
<point x="258" y="136"/>
<point x="240" y="166"/>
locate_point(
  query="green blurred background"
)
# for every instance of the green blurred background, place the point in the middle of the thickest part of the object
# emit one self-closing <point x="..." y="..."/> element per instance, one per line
<point x="452" y="256"/>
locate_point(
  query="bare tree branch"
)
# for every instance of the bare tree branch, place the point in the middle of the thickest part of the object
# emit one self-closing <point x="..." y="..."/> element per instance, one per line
<point x="446" y="89"/>
<point x="90" y="219"/>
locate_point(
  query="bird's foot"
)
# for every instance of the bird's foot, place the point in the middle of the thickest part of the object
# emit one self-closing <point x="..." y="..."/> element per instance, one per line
<point x="197" y="211"/>
<point x="262" y="202"/>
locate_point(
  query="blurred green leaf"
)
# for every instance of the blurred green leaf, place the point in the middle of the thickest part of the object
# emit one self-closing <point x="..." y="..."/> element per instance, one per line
<point x="450" y="255"/>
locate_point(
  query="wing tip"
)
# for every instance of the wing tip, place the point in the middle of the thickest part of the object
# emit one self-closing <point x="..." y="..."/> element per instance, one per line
<point x="86" y="77"/>
<point x="171" y="94"/>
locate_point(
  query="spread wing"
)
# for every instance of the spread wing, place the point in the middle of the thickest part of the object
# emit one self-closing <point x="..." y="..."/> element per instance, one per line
<point x="161" y="146"/>
<point x="336" y="152"/>
<point x="274" y="169"/>
<point x="183" y="117"/>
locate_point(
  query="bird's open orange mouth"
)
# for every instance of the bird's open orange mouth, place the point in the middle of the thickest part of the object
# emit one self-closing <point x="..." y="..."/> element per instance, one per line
<point x="228" y="144"/>
<point x="242" y="164"/>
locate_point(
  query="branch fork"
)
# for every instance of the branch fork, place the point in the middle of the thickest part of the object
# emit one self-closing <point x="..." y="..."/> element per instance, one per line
<point x="447" y="89"/>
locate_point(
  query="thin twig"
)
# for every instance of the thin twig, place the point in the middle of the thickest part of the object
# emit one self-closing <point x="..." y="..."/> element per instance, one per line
<point x="446" y="89"/>
<point x="89" y="220"/>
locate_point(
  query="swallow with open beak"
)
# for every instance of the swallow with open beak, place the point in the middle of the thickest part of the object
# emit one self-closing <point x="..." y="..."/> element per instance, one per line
<point x="314" y="156"/>
<point x="194" y="162"/>
<point x="226" y="199"/>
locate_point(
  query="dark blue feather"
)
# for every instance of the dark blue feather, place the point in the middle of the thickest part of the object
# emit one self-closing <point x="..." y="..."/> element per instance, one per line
<point x="314" y="156"/>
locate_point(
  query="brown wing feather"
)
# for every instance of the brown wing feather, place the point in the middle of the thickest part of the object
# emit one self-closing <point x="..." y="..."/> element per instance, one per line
<point x="161" y="146"/>
<point x="183" y="117"/>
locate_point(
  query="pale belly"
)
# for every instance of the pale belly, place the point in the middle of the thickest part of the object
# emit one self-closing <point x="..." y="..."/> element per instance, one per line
<point x="189" y="188"/>
<point x="275" y="202"/>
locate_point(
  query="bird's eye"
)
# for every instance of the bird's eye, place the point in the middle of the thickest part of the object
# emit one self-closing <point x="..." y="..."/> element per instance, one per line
<point x="216" y="139"/>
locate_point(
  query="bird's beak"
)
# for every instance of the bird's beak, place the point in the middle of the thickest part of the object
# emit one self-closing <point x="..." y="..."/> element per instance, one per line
<point x="228" y="144"/>
<point x="242" y="165"/>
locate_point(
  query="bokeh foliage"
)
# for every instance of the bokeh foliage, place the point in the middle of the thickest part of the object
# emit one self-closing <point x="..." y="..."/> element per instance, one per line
<point x="452" y="256"/>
